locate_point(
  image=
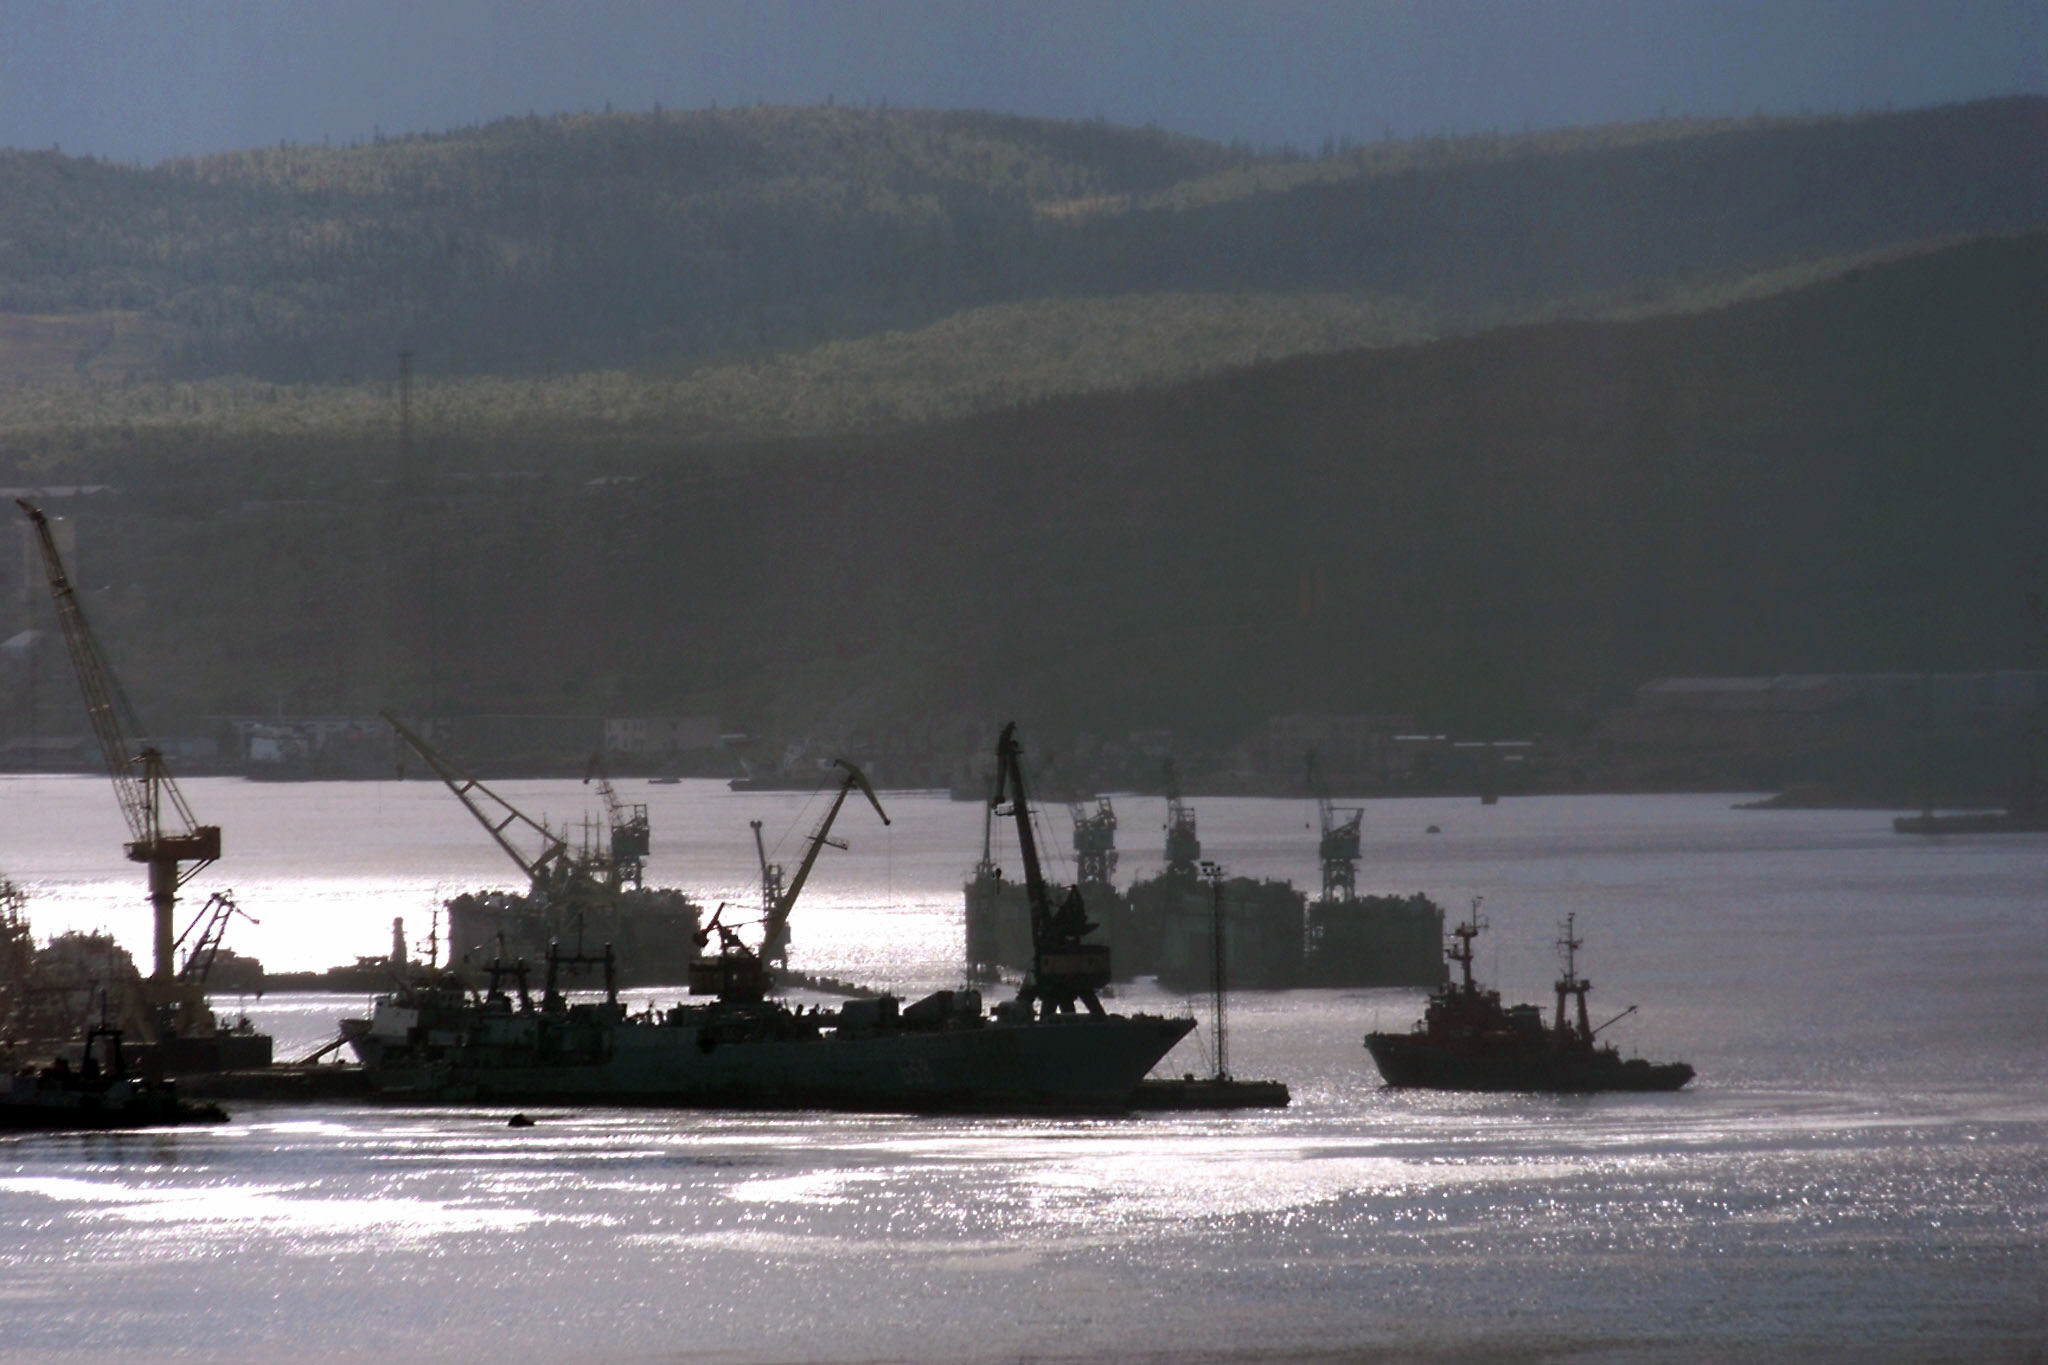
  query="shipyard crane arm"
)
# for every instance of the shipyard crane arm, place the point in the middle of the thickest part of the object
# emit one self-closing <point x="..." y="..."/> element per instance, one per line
<point x="1341" y="838"/>
<point x="775" y="936"/>
<point x="1328" y="810"/>
<point x="614" y="808"/>
<point x="1094" y="841"/>
<point x="142" y="784"/>
<point x="771" y="875"/>
<point x="1010" y="785"/>
<point x="493" y="812"/>
<point x="631" y="832"/>
<point x="163" y="835"/>
<point x="1063" y="969"/>
<point x="206" y="931"/>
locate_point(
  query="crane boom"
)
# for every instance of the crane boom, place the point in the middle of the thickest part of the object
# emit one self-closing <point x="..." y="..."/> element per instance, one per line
<point x="1063" y="969"/>
<point x="1338" y="850"/>
<point x="1183" y="846"/>
<point x="501" y="816"/>
<point x="174" y="850"/>
<point x="775" y="934"/>
<point x="631" y="832"/>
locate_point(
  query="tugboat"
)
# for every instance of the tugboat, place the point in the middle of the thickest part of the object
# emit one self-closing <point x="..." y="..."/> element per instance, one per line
<point x="95" y="1097"/>
<point x="1468" y="1040"/>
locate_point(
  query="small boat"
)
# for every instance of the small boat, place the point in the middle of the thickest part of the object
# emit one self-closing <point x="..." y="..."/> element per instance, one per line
<point x="95" y="1097"/>
<point x="1468" y="1040"/>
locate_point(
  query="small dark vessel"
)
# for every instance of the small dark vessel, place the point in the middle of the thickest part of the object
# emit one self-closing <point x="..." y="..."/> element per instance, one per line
<point x="1468" y="1040"/>
<point x="95" y="1097"/>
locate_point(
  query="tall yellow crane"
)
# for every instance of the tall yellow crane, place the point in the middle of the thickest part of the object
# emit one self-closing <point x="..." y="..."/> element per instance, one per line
<point x="163" y="835"/>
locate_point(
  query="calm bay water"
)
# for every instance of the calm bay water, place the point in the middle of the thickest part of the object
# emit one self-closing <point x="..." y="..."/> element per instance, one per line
<point x="1861" y="1170"/>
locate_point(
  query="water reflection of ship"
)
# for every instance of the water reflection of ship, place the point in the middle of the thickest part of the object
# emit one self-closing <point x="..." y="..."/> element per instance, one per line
<point x="1278" y="938"/>
<point x="1053" y="1048"/>
<point x="1468" y="1040"/>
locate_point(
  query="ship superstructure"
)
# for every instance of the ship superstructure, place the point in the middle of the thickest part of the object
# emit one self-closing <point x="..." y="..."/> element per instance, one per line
<point x="1468" y="1040"/>
<point x="1053" y="1048"/>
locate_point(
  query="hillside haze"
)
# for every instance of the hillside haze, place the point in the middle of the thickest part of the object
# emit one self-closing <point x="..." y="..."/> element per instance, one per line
<point x="1494" y="533"/>
<point x="533" y="246"/>
<point x="861" y="421"/>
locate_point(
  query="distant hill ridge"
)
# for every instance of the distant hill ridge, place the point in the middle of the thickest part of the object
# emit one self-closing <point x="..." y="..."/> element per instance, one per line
<point x="536" y="246"/>
<point x="1492" y="532"/>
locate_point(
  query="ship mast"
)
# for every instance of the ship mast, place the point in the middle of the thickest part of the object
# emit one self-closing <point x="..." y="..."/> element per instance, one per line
<point x="1218" y="962"/>
<point x="1461" y="952"/>
<point x="1183" y="849"/>
<point x="1572" y="984"/>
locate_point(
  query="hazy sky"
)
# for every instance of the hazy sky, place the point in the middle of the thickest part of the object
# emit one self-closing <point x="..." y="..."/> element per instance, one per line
<point x="143" y="81"/>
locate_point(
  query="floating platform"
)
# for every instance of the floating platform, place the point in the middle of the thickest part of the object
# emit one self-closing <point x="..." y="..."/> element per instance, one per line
<point x="1209" y="1092"/>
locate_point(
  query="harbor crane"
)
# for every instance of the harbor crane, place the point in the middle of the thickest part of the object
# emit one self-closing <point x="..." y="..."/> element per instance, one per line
<point x="547" y="870"/>
<point x="205" y="932"/>
<point x="631" y="833"/>
<point x="1183" y="848"/>
<point x="1094" y="842"/>
<point x="1063" y="969"/>
<point x="164" y="835"/>
<point x="1338" y="850"/>
<point x="775" y="925"/>
<point x="737" y="972"/>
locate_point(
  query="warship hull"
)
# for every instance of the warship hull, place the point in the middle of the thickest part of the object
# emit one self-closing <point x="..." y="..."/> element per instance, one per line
<point x="776" y="1059"/>
<point x="1405" y="1060"/>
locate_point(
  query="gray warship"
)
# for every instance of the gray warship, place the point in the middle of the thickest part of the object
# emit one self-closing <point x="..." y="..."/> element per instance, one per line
<point x="1051" y="1049"/>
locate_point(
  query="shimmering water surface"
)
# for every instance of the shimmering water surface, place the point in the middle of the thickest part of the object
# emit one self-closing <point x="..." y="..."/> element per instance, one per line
<point x="1861" y="1170"/>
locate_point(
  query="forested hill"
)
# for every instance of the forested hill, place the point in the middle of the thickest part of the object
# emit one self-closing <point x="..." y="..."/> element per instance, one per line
<point x="560" y="244"/>
<point x="1492" y="532"/>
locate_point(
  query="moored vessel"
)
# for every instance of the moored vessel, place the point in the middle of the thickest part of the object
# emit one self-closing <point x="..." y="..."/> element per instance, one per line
<point x="100" y="1094"/>
<point x="438" y="1040"/>
<point x="1468" y="1040"/>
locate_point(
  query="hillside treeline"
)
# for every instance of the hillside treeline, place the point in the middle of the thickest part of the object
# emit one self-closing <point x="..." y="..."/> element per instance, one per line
<point x="1496" y="533"/>
<point x="549" y="245"/>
